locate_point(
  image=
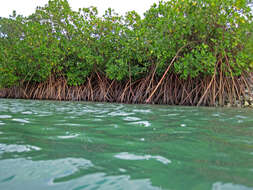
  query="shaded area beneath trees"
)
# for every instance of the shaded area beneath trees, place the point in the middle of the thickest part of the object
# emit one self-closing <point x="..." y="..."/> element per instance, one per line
<point x="172" y="90"/>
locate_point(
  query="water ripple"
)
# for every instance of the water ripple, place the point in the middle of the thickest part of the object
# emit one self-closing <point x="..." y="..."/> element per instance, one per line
<point x="67" y="124"/>
<point x="142" y="123"/>
<point x="128" y="156"/>
<point x="27" y="112"/>
<point x="142" y="111"/>
<point x="5" y="116"/>
<point x="131" y="119"/>
<point x="17" y="148"/>
<point x="21" y="120"/>
<point x="241" y="117"/>
<point x="229" y="186"/>
<point x="68" y="136"/>
<point x="120" y="113"/>
<point x="111" y="146"/>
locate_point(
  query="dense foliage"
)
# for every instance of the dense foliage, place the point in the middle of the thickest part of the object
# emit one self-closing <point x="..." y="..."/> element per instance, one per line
<point x="198" y="37"/>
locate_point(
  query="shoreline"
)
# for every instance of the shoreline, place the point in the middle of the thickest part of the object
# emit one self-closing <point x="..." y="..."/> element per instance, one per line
<point x="170" y="92"/>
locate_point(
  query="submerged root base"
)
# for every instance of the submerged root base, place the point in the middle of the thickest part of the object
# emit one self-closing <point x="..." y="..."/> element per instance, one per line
<point x="207" y="91"/>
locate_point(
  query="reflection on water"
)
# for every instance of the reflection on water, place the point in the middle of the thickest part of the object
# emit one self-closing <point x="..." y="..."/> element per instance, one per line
<point x="16" y="148"/>
<point x="229" y="186"/>
<point x="127" y="156"/>
<point x="77" y="145"/>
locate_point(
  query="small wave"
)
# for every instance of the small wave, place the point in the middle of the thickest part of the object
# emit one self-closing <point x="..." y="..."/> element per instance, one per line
<point x="17" y="148"/>
<point x="216" y="115"/>
<point x="142" y="111"/>
<point x="21" y="120"/>
<point x="44" y="113"/>
<point x="231" y="186"/>
<point x="181" y="132"/>
<point x="128" y="156"/>
<point x="173" y="114"/>
<point x="143" y="123"/>
<point x="5" y="116"/>
<point x="68" y="124"/>
<point x="240" y="121"/>
<point x="118" y="113"/>
<point x="27" y="112"/>
<point x="131" y="119"/>
<point x="115" y="126"/>
<point x="122" y="170"/>
<point x="69" y="136"/>
<point x="97" y="119"/>
<point x="241" y="117"/>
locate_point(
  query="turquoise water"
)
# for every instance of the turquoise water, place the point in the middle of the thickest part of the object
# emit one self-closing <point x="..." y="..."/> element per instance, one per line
<point x="77" y="145"/>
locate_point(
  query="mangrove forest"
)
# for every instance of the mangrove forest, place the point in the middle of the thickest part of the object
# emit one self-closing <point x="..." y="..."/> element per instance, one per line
<point x="181" y="52"/>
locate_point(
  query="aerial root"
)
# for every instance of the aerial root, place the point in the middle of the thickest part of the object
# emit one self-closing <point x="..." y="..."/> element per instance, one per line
<point x="209" y="91"/>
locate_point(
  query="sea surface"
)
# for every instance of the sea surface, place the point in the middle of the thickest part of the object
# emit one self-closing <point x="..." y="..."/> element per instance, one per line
<point x="82" y="145"/>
